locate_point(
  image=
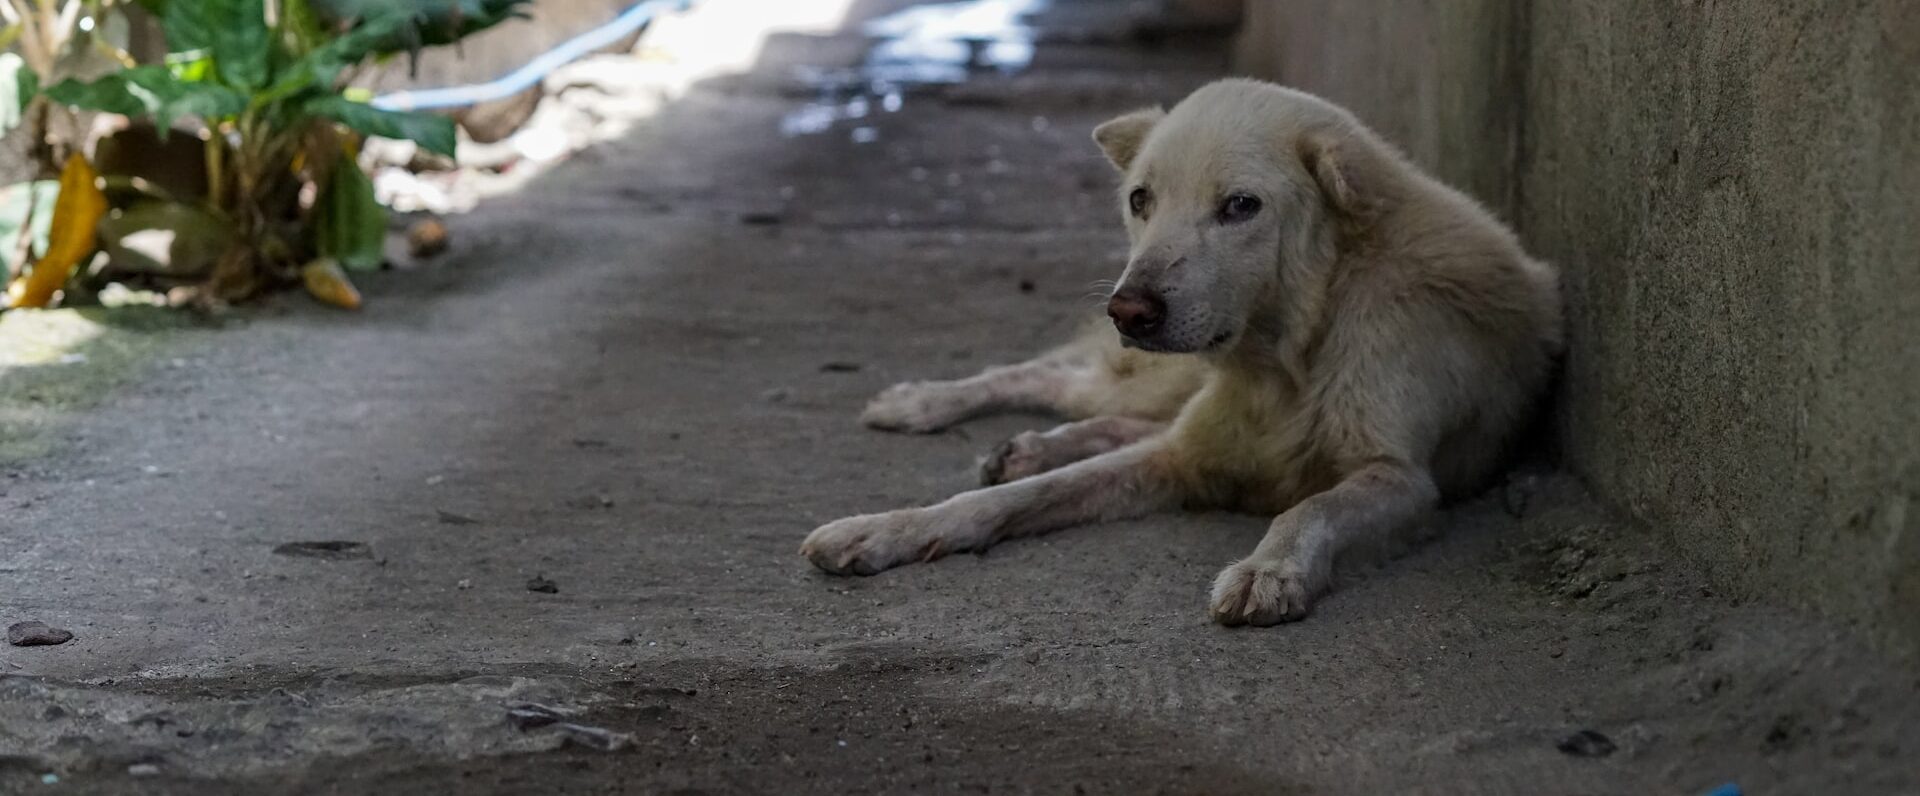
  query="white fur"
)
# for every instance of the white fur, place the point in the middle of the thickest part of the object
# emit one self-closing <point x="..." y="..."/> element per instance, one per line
<point x="1365" y="345"/>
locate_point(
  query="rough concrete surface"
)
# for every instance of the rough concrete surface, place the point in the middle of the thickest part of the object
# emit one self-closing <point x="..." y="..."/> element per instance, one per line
<point x="617" y="383"/>
<point x="1731" y="191"/>
<point x="1430" y="75"/>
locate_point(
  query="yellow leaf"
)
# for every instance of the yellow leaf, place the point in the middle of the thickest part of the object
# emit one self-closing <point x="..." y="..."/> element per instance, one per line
<point x="328" y="283"/>
<point x="71" y="240"/>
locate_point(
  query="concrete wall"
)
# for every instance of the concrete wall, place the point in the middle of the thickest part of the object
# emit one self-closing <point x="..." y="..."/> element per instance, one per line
<point x="1432" y="80"/>
<point x="1733" y="193"/>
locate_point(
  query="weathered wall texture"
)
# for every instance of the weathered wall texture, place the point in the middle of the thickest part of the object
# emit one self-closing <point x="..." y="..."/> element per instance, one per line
<point x="1733" y="193"/>
<point x="1429" y="80"/>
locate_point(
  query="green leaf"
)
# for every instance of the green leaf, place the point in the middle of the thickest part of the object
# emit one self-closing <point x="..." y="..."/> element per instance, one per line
<point x="432" y="132"/>
<point x="363" y="40"/>
<point x="200" y="100"/>
<point x="234" y="32"/>
<point x="115" y="93"/>
<point x="243" y="45"/>
<point x="300" y="27"/>
<point x="429" y="22"/>
<point x="150" y="91"/>
<point x="193" y="67"/>
<point x="18" y="84"/>
<point x="351" y="225"/>
<point x="187" y="25"/>
<point x="323" y="65"/>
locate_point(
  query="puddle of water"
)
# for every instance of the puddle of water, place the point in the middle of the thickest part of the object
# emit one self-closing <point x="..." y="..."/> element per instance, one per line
<point x="944" y="43"/>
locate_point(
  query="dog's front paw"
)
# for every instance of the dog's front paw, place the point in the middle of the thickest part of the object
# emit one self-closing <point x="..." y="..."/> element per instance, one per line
<point x="872" y="543"/>
<point x="1022" y="456"/>
<point x="1261" y="593"/>
<point x="919" y="407"/>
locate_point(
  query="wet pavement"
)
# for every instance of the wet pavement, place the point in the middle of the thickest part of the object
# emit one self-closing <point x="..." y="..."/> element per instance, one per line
<point x="529" y="522"/>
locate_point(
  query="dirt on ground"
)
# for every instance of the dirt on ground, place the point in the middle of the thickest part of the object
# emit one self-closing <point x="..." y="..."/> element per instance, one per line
<point x="528" y="523"/>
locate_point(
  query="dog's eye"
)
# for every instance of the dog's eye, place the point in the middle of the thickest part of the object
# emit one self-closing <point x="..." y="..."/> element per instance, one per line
<point x="1137" y="201"/>
<point x="1239" y="207"/>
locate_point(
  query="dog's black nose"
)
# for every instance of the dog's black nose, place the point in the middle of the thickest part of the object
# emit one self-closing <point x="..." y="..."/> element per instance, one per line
<point x="1135" y="312"/>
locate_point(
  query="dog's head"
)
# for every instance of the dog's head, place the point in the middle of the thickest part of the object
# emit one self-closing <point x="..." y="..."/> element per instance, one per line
<point x="1229" y="197"/>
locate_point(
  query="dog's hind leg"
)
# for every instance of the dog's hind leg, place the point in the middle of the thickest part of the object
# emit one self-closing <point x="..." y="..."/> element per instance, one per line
<point x="1031" y="453"/>
<point x="1091" y="376"/>
<point x="1129" y="482"/>
<point x="923" y="407"/>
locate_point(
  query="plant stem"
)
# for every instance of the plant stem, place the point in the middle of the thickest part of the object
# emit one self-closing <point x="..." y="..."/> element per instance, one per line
<point x="216" y="169"/>
<point x="40" y="148"/>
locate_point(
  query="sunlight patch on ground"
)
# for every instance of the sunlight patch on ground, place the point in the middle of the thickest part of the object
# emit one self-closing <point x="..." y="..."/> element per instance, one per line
<point x="43" y="338"/>
<point x="602" y="98"/>
<point x="53" y="362"/>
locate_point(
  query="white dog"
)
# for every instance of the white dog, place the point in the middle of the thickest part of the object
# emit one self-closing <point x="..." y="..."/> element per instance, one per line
<point x="1311" y="328"/>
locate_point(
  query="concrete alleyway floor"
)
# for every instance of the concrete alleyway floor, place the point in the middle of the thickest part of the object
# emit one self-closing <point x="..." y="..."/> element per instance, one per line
<point x="637" y="381"/>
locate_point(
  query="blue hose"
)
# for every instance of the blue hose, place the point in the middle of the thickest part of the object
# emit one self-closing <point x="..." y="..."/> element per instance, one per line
<point x="525" y="77"/>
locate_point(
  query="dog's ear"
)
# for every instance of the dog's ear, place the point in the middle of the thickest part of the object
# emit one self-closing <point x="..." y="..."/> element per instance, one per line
<point x="1334" y="166"/>
<point x="1121" y="138"/>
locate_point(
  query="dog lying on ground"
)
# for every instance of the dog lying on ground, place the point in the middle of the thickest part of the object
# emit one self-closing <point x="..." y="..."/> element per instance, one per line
<point x="1309" y="327"/>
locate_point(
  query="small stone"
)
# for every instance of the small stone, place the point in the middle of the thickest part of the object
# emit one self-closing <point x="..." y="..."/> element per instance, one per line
<point x="840" y="367"/>
<point x="464" y="584"/>
<point x="1517" y="494"/>
<point x="595" y="737"/>
<point x="1586" y="743"/>
<point x="531" y="715"/>
<point x="761" y="219"/>
<point x="1027" y="286"/>
<point x="143" y="770"/>
<point x="539" y="583"/>
<point x="426" y="238"/>
<point x="590" y="502"/>
<point x="332" y="550"/>
<point x="451" y="518"/>
<point x="36" y="634"/>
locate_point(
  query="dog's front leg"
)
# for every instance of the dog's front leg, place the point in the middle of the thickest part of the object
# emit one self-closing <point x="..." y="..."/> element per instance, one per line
<point x="1293" y="565"/>
<point x="1129" y="482"/>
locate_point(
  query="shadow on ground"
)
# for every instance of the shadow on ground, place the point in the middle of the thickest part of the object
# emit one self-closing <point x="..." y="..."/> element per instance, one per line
<point x="636" y="382"/>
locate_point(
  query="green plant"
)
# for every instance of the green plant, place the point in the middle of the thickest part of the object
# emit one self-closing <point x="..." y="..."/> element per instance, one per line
<point x="47" y="41"/>
<point x="44" y="41"/>
<point x="265" y="80"/>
